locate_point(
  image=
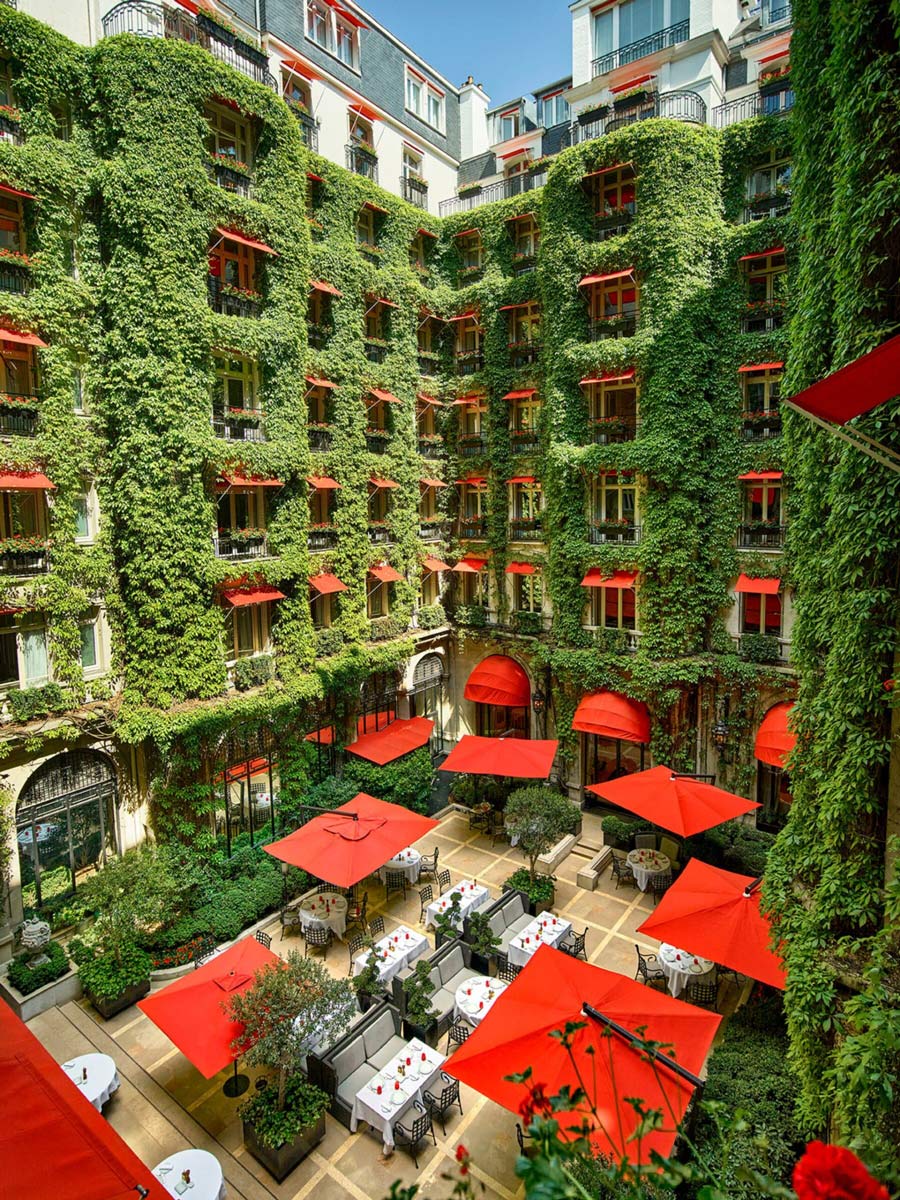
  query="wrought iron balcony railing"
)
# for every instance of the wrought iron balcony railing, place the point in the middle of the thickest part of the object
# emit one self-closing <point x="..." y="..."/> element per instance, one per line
<point x="319" y="439"/>
<point x="677" y="106"/>
<point x="525" y="529"/>
<point x="614" y="533"/>
<point x="237" y="430"/>
<point x="14" y="278"/>
<point x="414" y="191"/>
<point x="622" y="325"/>
<point x="309" y="130"/>
<point x="756" y="105"/>
<point x="522" y="354"/>
<point x="652" y="44"/>
<point x="25" y="562"/>
<point x="323" y="537"/>
<point x="377" y="440"/>
<point x="472" y="527"/>
<point x="761" y="427"/>
<point x="362" y="161"/>
<point x="236" y="546"/>
<point x="608" y="431"/>
<point x="18" y="422"/>
<point x="761" y="535"/>
<point x="228" y="178"/>
<point x="231" y="303"/>
<point x="501" y="189"/>
<point x="471" y="446"/>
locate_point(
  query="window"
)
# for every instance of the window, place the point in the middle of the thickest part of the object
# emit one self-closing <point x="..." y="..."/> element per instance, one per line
<point x="429" y="588"/>
<point x="12" y="224"/>
<point x="614" y="501"/>
<point x="473" y="587"/>
<point x="554" y="110"/>
<point x="321" y="609"/>
<point x="613" y="193"/>
<point x="233" y="264"/>
<point x="507" y="125"/>
<point x="765" y="274"/>
<point x="428" y="504"/>
<point x="761" y="393"/>
<point x="417" y="253"/>
<point x="525" y="501"/>
<point x="345" y="42"/>
<point x="317" y="24"/>
<point x="377" y="415"/>
<point x="615" y="298"/>
<point x="761" y="614"/>
<point x="23" y="513"/>
<point x="603" y="32"/>
<point x="297" y="91"/>
<point x="528" y="592"/>
<point x="247" y="630"/>
<point x="242" y="509"/>
<point x="9" y="654"/>
<point x="83" y="530"/>
<point x="375" y="320"/>
<point x="229" y="134"/>
<point x="613" y="608"/>
<point x="426" y="336"/>
<point x="88" y="647"/>
<point x="35" y="667"/>
<point x="525" y="414"/>
<point x="318" y="406"/>
<point x="236" y="385"/>
<point x="468" y="336"/>
<point x="470" y="419"/>
<point x="426" y="426"/>
<point x="525" y="323"/>
<point x="378" y="598"/>
<point x="473" y="501"/>
<point x="361" y="133"/>
<point x="435" y="108"/>
<point x="321" y="506"/>
<point x="77" y="391"/>
<point x="470" y="251"/>
<point x="412" y="165"/>
<point x="379" y="504"/>
<point x="8" y="97"/>
<point x="774" y="11"/>
<point x="526" y="234"/>
<point x="612" y="408"/>
<point x="18" y="370"/>
<point x="415" y="92"/>
<point x="762" y="504"/>
<point x="771" y="176"/>
<point x="365" y="227"/>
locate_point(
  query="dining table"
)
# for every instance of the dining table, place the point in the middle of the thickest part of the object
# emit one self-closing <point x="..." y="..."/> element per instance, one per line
<point x="471" y="895"/>
<point x="475" y="998"/>
<point x="95" y="1076"/>
<point x="384" y="1099"/>
<point x="545" y="930"/>
<point x="192" y="1174"/>
<point x="395" y="951"/>
<point x="646" y="863"/>
<point x="327" y="909"/>
<point x="680" y="967"/>
<point x="408" y="861"/>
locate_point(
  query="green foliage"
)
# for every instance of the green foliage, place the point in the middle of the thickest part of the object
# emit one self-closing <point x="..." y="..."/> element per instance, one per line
<point x="480" y="936"/>
<point x="368" y="981"/>
<point x="407" y="781"/>
<point x="536" y="818"/>
<point x="418" y="989"/>
<point x="328" y="642"/>
<point x="304" y="1104"/>
<point x="106" y="977"/>
<point x="253" y="672"/>
<point x="38" y="702"/>
<point x="759" y="648"/>
<point x="431" y="616"/>
<point x="620" y="831"/>
<point x="538" y="888"/>
<point x="28" y="979"/>
<point x="129" y="897"/>
<point x="733" y="846"/>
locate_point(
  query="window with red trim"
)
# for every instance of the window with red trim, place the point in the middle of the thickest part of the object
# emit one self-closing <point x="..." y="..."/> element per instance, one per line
<point x="762" y="503"/>
<point x="612" y="193"/>
<point x="528" y="592"/>
<point x="230" y="136"/>
<point x="761" y="614"/>
<point x="234" y="264"/>
<point x="614" y="298"/>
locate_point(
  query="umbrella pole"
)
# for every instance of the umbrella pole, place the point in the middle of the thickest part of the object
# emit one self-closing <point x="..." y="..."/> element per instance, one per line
<point x="236" y="1085"/>
<point x="635" y="1041"/>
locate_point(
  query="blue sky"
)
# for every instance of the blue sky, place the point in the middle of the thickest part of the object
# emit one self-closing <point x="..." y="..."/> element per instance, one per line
<point x="510" y="46"/>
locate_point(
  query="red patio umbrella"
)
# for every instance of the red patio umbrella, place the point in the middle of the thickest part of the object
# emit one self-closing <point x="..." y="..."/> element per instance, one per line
<point x="514" y="758"/>
<point x="683" y="805"/>
<point x="349" y="843"/>
<point x="716" y="913"/>
<point x="554" y="989"/>
<point x="191" y="1011"/>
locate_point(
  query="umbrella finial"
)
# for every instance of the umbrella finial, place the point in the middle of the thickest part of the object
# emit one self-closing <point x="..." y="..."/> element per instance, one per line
<point x="752" y="887"/>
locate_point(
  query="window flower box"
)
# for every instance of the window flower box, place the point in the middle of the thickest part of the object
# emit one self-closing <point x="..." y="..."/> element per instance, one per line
<point x="380" y="342"/>
<point x="468" y="189"/>
<point x="19" y="402"/>
<point x="239" y="293"/>
<point x="298" y="106"/>
<point x="589" y="116"/>
<point x="21" y="543"/>
<point x="243" y="536"/>
<point x="369" y="248"/>
<point x="15" y="258"/>
<point x="223" y="159"/>
<point x="773" y="76"/>
<point x="470" y="272"/>
<point x="630" y="99"/>
<point x="765" y="308"/>
<point x="248" y="415"/>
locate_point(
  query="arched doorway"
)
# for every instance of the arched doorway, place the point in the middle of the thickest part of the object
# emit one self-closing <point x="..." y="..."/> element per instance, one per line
<point x="615" y="731"/>
<point x="501" y="692"/>
<point x="774" y="742"/>
<point x="65" y="823"/>
<point x="426" y="696"/>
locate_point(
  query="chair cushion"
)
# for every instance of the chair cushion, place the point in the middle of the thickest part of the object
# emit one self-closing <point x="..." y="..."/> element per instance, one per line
<point x="520" y="923"/>
<point x="450" y="985"/>
<point x="496" y="923"/>
<point x="385" y="1053"/>
<point x="377" y="1034"/>
<point x="347" y="1088"/>
<point x="449" y="966"/>
<point x="513" y="909"/>
<point x="350" y="1059"/>
<point x="505" y="938"/>
<point x="443" y="1002"/>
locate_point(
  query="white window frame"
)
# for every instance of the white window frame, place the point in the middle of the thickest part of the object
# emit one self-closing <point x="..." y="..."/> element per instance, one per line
<point x="93" y="622"/>
<point x="338" y="32"/>
<point x="90" y="504"/>
<point x="415" y="89"/>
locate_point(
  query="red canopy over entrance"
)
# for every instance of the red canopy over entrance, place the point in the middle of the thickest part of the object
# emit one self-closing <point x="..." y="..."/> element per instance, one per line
<point x="774" y="741"/>
<point x="716" y="913"/>
<point x="678" y="803"/>
<point x="53" y="1142"/>
<point x="189" y="1010"/>
<point x="399" y="738"/>
<point x="351" y="842"/>
<point x="501" y="681"/>
<point x="553" y="990"/>
<point x="612" y="715"/>
<point x="514" y="758"/>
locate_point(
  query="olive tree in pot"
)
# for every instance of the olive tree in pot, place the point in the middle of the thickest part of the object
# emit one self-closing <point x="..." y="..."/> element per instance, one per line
<point x="421" y="1019"/>
<point x="536" y="819"/>
<point x="291" y="1006"/>
<point x="129" y="897"/>
<point x="484" y="943"/>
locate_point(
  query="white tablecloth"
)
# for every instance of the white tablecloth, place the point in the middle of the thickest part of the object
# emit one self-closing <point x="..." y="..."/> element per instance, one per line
<point x="679" y="967"/>
<point x="325" y="908"/>
<point x="206" y="1183"/>
<point x="395" y="951"/>
<point x="25" y="838"/>
<point x="101" y="1081"/>
<point x="471" y="895"/>
<point x="476" y="997"/>
<point x="545" y="929"/>
<point x="408" y="861"/>
<point x="382" y="1112"/>
<point x="645" y="863"/>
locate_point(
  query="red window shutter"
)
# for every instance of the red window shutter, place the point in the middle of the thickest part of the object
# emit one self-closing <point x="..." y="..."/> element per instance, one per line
<point x="752" y="602"/>
<point x="627" y="604"/>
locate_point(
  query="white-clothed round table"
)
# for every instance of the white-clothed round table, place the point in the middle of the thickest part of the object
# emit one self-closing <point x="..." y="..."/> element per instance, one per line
<point x="476" y="996"/>
<point x="543" y="930"/>
<point x="207" y="1182"/>
<point x="25" y="837"/>
<point x="395" y="951"/>
<point x="645" y="863"/>
<point x="325" y="908"/>
<point x="408" y="861"/>
<point x="679" y="967"/>
<point x="101" y="1081"/>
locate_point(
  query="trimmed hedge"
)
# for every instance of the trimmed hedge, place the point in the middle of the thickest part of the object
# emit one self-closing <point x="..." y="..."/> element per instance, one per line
<point x="28" y="979"/>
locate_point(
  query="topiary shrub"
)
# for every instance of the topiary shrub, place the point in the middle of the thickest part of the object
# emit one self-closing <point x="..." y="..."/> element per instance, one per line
<point x="432" y="616"/>
<point x="253" y="672"/>
<point x="28" y="979"/>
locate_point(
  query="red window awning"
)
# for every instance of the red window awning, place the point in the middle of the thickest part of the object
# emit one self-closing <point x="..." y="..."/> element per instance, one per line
<point x="298" y="68"/>
<point x="385" y="397"/>
<point x="855" y="389"/>
<point x="25" y="481"/>
<point x="631" y="83"/>
<point x="473" y="481"/>
<point x="432" y="483"/>
<point x="430" y="563"/>
<point x="258" y="593"/>
<point x="326" y="585"/>
<point x="423" y="399"/>
<point x="352" y="18"/>
<point x="467" y="232"/>
<point x="238" y="480"/>
<point x="387" y="745"/>
<point x="512" y="758"/>
<point x="612" y="715"/>
<point x="469" y="400"/>
<point x="612" y="378"/>
<point x="589" y="279"/>
<point x="772" y="366"/>
<point x="11" y="191"/>
<point x="367" y="114"/>
<point x="426" y="233"/>
<point x="618" y="579"/>
<point x="233" y="236"/>
<point x="470" y="565"/>
<point x="606" y="170"/>
<point x="510" y="307"/>
<point x="382" y="483"/>
<point x="759" y="587"/>
<point x="319" y="285"/>
<point x="385" y="573"/>
<point x="761" y="254"/>
<point x="500" y="681"/>
<point x="521" y="568"/>
<point x="322" y="483"/>
<point x="525" y="394"/>
<point x="376" y="300"/>
<point x="21" y="339"/>
<point x="322" y="383"/>
<point x="250" y="767"/>
<point x="522" y="479"/>
<point x="470" y="314"/>
<point x="774" y="741"/>
<point x="761" y="476"/>
<point x="314" y="177"/>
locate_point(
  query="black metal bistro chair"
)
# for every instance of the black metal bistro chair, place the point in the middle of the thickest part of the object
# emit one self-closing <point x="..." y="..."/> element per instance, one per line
<point x="395" y="881"/>
<point x="408" y="1137"/>
<point x="318" y="936"/>
<point x="443" y="880"/>
<point x="264" y="939"/>
<point x="429" y="863"/>
<point x="444" y="1100"/>
<point x="355" y="946"/>
<point x="457" y="1034"/>
<point x="622" y="872"/>
<point x="426" y="895"/>
<point x="704" y="992"/>
<point x="574" y="944"/>
<point x="376" y="927"/>
<point x="649" y="970"/>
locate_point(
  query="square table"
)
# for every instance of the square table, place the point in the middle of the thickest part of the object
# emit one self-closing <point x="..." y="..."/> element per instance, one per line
<point x="541" y="931"/>
<point x="471" y="895"/>
<point x="382" y="1112"/>
<point x="396" y="951"/>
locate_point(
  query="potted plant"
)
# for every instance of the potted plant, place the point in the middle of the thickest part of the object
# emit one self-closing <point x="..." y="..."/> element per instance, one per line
<point x="446" y="923"/>
<point x="367" y="984"/>
<point x="291" y="1006"/>
<point x="484" y="943"/>
<point x="535" y="820"/>
<point x="420" y="1016"/>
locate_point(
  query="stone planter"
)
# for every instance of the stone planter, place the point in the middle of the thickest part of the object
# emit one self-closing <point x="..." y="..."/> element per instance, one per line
<point x="427" y="1033"/>
<point x="484" y="964"/>
<point x="51" y="995"/>
<point x="279" y="1163"/>
<point x="366" y="1000"/>
<point x="109" y="1007"/>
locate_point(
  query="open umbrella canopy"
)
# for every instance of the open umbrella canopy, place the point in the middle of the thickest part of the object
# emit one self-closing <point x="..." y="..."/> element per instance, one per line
<point x="191" y="1011"/>
<point x="350" y="842"/>
<point x="552" y="990"/>
<point x="716" y="913"/>
<point x="679" y="803"/>
<point x="515" y="758"/>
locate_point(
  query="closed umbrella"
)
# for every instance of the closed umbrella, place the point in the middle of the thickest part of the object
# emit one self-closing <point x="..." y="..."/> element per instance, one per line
<point x="683" y="805"/>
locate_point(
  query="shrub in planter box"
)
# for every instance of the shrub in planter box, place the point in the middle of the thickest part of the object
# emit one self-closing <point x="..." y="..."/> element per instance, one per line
<point x="540" y="890"/>
<point x="367" y="984"/>
<point x="253" y="672"/>
<point x="484" y="943"/>
<point x="26" y="979"/>
<point x="536" y="819"/>
<point x="421" y="1019"/>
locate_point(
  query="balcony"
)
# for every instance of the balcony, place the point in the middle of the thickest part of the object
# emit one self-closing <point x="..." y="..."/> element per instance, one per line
<point x="664" y="39"/>
<point x="676" y="106"/>
<point x="619" y="326"/>
<point x="609" y="431"/>
<point x="502" y="189"/>
<point x="762" y="316"/>
<point x="611" y="225"/>
<point x="309" y="129"/>
<point x="375" y="350"/>
<point x="15" y="277"/>
<point x="524" y="441"/>
<point x="431" y="530"/>
<point x="232" y="301"/>
<point x="428" y="362"/>
<point x="761" y="535"/>
<point x="319" y="437"/>
<point x="380" y="534"/>
<point x="614" y="533"/>
<point x="33" y="560"/>
<point x="377" y="440"/>
<point x="762" y="648"/>
<point x="18" y="420"/>
<point x="239" y="544"/>
<point x="469" y="361"/>
<point x="431" y="445"/>
<point x="362" y="161"/>
<point x="414" y="191"/>
<point x="471" y="445"/>
<point x="148" y="18"/>
<point x="525" y="529"/>
<point x="523" y="354"/>
<point x="472" y="528"/>
<point x="223" y="174"/>
<point x="317" y="335"/>
<point x="321" y="537"/>
<point x="757" y="105"/>
<point x="761" y="426"/>
<point x="768" y="205"/>
<point x="614" y="641"/>
<point x="242" y="426"/>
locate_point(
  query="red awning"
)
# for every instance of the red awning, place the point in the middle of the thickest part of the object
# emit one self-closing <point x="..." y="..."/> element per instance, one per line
<point x="21" y="339"/>
<point x="298" y="68"/>
<point x="761" y="254"/>
<point x="761" y="476"/>
<point x="260" y="593"/>
<point x="420" y="396"/>
<point x="233" y="236"/>
<point x="510" y="307"/>
<point x="469" y="400"/>
<point x="322" y="383"/>
<point x="678" y="803"/>
<point x="430" y="563"/>
<point x="470" y="314"/>
<point x="521" y="568"/>
<point x="855" y="389"/>
<point x="365" y="724"/>
<point x="24" y="481"/>
<point x="629" y="271"/>
<point x="319" y="285"/>
<point x="522" y="479"/>
<point x="347" y="15"/>
<point x="432" y="483"/>
<point x="500" y="681"/>
<point x="613" y="378"/>
<point x="772" y="366"/>
<point x="314" y="177"/>
<point x="606" y="170"/>
<point x="631" y="83"/>
<point x="473" y="481"/>
<point x="326" y="585"/>
<point x="236" y="479"/>
<point x="322" y="483"/>
<point x="470" y="565"/>
<point x="612" y="715"/>
<point x="253" y="766"/>
<point x="388" y="744"/>
<point x="386" y="397"/>
<point x="11" y="191"/>
<point x="618" y="579"/>
<point x="366" y="113"/>
<point x="760" y="587"/>
<point x="382" y="483"/>
<point x="379" y="299"/>
<point x="467" y="232"/>
<point x="53" y="1141"/>
<point x="525" y="394"/>
<point x="512" y="758"/>
<point x="426" y="233"/>
<point x="385" y="573"/>
<point x="774" y="741"/>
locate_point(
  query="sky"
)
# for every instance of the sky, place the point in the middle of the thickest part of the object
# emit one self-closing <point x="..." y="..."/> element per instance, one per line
<point x="509" y="46"/>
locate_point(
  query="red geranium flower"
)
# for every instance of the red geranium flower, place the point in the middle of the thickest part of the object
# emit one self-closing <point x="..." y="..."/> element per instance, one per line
<point x="834" y="1173"/>
<point x="462" y="1157"/>
<point x="535" y="1103"/>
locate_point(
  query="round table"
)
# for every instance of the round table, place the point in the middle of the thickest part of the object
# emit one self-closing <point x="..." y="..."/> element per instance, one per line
<point x="409" y="861"/>
<point x="25" y="837"/>
<point x="645" y="863"/>
<point x="680" y="967"/>
<point x="476" y="996"/>
<point x="101" y="1080"/>
<point x="207" y="1182"/>
<point x="325" y="908"/>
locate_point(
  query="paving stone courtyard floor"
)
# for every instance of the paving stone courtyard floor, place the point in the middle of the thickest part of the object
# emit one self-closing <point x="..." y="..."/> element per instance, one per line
<point x="164" y="1105"/>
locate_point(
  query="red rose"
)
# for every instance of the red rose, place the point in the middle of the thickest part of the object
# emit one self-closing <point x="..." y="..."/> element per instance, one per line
<point x="535" y="1103"/>
<point x="834" y="1173"/>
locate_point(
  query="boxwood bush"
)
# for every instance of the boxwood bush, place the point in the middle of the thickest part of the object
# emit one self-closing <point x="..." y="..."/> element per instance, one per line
<point x="28" y="979"/>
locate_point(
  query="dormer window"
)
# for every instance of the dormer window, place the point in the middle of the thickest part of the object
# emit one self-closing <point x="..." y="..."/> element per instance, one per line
<point x="335" y="30"/>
